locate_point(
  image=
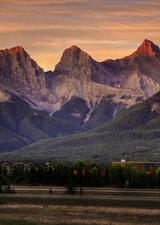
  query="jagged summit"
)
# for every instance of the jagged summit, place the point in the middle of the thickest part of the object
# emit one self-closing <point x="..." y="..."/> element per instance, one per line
<point x="73" y="47"/>
<point x="147" y="48"/>
<point x="71" y="58"/>
<point x="75" y="51"/>
<point x="13" y="51"/>
<point x="18" y="71"/>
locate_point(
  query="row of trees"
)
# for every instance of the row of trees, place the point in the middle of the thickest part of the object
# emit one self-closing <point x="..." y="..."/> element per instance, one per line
<point x="82" y="174"/>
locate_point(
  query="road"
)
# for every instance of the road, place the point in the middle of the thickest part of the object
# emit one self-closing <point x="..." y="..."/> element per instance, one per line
<point x="89" y="193"/>
<point x="98" y="197"/>
<point x="93" y="189"/>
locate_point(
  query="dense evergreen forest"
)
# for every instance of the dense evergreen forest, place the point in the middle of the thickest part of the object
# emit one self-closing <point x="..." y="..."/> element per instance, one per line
<point x="82" y="174"/>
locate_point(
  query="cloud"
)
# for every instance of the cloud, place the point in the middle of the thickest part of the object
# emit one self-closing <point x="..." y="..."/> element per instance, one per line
<point x="104" y="28"/>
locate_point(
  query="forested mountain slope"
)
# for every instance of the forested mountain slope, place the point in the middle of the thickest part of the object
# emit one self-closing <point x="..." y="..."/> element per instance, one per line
<point x="135" y="130"/>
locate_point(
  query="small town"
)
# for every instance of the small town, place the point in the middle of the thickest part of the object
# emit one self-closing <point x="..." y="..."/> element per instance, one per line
<point x="117" y="174"/>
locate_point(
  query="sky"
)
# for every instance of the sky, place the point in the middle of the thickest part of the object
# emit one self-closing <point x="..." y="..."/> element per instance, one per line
<point x="105" y="29"/>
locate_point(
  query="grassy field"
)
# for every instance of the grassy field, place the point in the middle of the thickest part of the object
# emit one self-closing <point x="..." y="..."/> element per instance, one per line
<point x="58" y="211"/>
<point x="62" y="214"/>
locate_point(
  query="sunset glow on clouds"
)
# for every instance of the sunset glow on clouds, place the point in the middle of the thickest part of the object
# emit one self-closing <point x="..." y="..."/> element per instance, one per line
<point x="103" y="28"/>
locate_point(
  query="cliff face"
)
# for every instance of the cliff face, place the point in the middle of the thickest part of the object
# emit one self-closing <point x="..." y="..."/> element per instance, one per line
<point x="111" y="85"/>
<point x="19" y="70"/>
<point x="22" y="76"/>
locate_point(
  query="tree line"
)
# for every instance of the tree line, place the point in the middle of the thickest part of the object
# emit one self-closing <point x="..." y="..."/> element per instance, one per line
<point x="82" y="174"/>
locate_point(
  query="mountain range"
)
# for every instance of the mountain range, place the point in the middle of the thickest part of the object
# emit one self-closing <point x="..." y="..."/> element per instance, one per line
<point x="102" y="99"/>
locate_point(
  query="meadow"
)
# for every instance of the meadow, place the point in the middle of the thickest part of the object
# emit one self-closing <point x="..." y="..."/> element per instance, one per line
<point x="23" y="208"/>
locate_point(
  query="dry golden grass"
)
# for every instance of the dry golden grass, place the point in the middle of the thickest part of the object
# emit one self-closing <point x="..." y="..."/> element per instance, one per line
<point x="74" y="215"/>
<point x="86" y="209"/>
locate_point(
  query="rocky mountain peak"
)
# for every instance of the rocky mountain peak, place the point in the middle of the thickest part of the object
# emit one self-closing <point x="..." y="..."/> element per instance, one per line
<point x="75" y="52"/>
<point x="73" y="57"/>
<point x="18" y="71"/>
<point x="17" y="49"/>
<point x="73" y="47"/>
<point x="13" y="51"/>
<point x="147" y="48"/>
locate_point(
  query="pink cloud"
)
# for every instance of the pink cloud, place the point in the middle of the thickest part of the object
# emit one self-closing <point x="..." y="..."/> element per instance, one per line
<point x="46" y="27"/>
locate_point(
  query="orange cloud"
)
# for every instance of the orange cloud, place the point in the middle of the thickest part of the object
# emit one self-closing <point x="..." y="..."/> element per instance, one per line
<point x="103" y="28"/>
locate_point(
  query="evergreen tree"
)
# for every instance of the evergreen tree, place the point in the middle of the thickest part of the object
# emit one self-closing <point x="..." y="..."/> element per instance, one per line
<point x="117" y="175"/>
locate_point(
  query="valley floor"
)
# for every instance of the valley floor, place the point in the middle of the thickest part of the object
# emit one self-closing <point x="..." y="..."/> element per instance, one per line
<point x="34" y="206"/>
